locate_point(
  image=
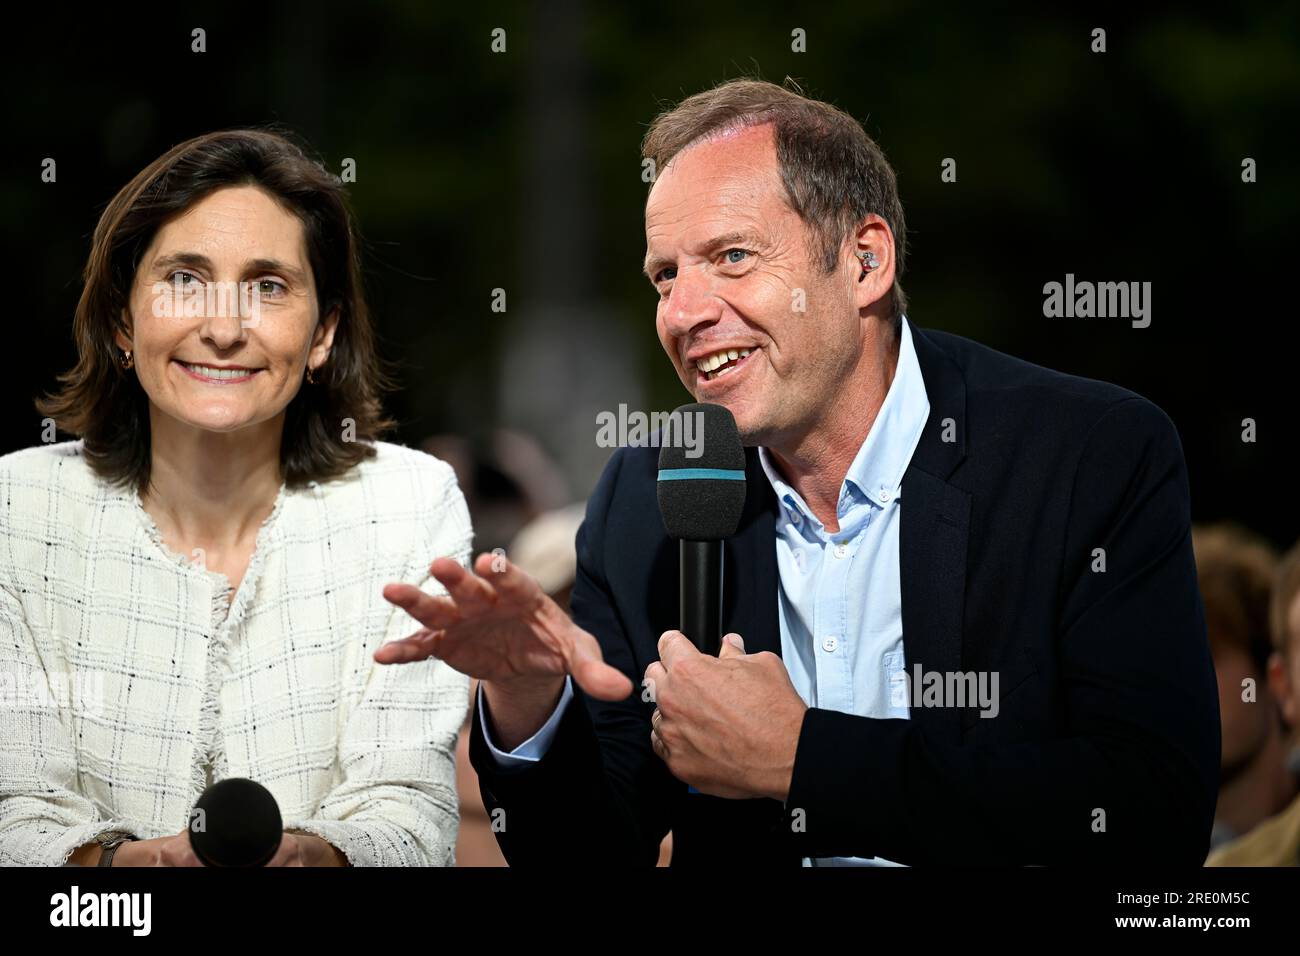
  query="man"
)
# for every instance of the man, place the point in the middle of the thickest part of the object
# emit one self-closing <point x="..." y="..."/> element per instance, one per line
<point x="1276" y="841"/>
<point x="964" y="586"/>
<point x="1235" y="569"/>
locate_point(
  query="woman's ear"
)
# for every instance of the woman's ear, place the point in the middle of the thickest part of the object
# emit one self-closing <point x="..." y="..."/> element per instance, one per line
<point x="322" y="339"/>
<point x="123" y="334"/>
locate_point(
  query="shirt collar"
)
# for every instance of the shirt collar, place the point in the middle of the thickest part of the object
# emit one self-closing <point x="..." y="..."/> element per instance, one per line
<point x="877" y="470"/>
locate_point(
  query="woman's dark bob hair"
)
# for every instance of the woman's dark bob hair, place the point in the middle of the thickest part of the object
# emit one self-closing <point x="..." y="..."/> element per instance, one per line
<point x="104" y="404"/>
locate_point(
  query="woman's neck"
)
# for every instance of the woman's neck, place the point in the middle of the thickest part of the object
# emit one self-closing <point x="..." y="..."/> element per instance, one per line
<point x="211" y="489"/>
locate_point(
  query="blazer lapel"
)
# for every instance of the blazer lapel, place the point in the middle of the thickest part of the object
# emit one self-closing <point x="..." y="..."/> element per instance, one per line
<point x="933" y="533"/>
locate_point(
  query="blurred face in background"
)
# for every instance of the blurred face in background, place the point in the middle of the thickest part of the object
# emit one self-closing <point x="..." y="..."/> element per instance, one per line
<point x="733" y="264"/>
<point x="1284" y="672"/>
<point x="242" y="358"/>
<point x="1245" y="724"/>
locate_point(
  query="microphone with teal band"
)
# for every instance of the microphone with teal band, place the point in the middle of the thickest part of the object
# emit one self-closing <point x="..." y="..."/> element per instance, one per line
<point x="701" y="491"/>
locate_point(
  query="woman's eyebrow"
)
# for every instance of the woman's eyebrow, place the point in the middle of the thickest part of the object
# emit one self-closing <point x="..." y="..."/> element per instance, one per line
<point x="193" y="260"/>
<point x="275" y="265"/>
<point x="197" y="260"/>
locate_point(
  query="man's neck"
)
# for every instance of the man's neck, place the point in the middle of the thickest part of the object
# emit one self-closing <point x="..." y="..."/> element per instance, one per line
<point x="817" y="461"/>
<point x="212" y="489"/>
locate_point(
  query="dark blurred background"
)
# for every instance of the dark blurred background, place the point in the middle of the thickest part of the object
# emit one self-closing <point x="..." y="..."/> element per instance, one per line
<point x="519" y="170"/>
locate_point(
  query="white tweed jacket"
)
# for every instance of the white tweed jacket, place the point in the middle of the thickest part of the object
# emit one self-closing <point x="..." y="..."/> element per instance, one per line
<point x="129" y="677"/>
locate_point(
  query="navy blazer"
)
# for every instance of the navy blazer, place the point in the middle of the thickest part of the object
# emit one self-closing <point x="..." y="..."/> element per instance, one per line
<point x="1105" y="747"/>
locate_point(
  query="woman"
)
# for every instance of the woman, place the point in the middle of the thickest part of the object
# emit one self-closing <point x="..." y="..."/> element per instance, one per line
<point x="192" y="591"/>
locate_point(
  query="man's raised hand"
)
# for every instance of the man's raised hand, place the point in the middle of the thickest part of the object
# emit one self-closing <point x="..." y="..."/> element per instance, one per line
<point x="498" y="625"/>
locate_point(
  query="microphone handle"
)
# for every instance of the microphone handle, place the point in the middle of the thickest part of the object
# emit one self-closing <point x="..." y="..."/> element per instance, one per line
<point x="701" y="594"/>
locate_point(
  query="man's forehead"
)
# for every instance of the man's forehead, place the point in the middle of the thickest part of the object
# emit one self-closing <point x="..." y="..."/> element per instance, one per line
<point x="715" y="177"/>
<point x="747" y="153"/>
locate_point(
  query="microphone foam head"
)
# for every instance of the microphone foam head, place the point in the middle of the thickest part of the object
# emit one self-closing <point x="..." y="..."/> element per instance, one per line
<point x="701" y="485"/>
<point x="235" y="823"/>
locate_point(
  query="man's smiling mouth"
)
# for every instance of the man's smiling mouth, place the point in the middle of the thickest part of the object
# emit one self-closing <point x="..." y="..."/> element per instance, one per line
<point x="721" y="363"/>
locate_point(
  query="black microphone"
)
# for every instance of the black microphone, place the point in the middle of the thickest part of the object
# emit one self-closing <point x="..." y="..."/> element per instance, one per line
<point x="235" y="823"/>
<point x="701" y="499"/>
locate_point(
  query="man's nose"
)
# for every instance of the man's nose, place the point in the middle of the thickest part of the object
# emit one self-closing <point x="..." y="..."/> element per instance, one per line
<point x="691" y="302"/>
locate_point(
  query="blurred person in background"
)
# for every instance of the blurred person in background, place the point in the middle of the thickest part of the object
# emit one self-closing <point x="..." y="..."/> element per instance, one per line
<point x="1276" y="841"/>
<point x="508" y="479"/>
<point x="1235" y="569"/>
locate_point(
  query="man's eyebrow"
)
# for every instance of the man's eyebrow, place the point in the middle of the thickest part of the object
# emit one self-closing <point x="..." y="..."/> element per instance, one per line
<point x="197" y="260"/>
<point x="654" y="263"/>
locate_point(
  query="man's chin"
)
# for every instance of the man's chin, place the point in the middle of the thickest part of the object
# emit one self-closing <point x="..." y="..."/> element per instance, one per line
<point x="753" y="428"/>
<point x="750" y="422"/>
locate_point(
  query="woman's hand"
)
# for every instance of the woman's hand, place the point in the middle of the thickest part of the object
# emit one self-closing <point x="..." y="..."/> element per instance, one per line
<point x="160" y="851"/>
<point x="296" y="849"/>
<point x="306" y="849"/>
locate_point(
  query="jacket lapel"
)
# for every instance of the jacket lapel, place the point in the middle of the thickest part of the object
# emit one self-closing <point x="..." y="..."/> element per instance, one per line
<point x="933" y="533"/>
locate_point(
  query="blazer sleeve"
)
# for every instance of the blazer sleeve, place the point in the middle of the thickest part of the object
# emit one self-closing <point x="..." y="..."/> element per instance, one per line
<point x="1132" y="774"/>
<point x="395" y="803"/>
<point x="598" y="794"/>
<point x="43" y="815"/>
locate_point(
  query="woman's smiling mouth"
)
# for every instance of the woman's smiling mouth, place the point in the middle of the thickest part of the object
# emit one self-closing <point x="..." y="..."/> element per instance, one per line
<point x="217" y="374"/>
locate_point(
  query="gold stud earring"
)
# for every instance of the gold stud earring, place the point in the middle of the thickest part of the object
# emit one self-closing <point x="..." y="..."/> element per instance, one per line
<point x="126" y="359"/>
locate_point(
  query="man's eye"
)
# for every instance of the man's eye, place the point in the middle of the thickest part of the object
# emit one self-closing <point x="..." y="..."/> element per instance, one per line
<point x="736" y="256"/>
<point x="667" y="274"/>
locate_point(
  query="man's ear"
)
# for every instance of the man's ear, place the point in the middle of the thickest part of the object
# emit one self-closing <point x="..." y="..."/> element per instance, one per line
<point x="1279" y="685"/>
<point x="875" y="240"/>
<point x="322" y="340"/>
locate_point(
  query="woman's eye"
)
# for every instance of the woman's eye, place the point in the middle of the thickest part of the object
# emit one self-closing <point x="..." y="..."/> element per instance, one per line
<point x="270" y="287"/>
<point x="182" y="277"/>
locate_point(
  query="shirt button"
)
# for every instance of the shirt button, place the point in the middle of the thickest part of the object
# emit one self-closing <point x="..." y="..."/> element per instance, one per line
<point x="794" y="516"/>
<point x="829" y="645"/>
<point x="841" y="550"/>
<point x="884" y="494"/>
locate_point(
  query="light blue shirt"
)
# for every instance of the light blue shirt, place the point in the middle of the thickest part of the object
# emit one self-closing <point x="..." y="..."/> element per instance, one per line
<point x="840" y="599"/>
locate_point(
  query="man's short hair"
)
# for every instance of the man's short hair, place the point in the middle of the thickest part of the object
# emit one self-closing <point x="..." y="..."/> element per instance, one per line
<point x="1286" y="585"/>
<point x="1235" y="569"/>
<point x="833" y="172"/>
